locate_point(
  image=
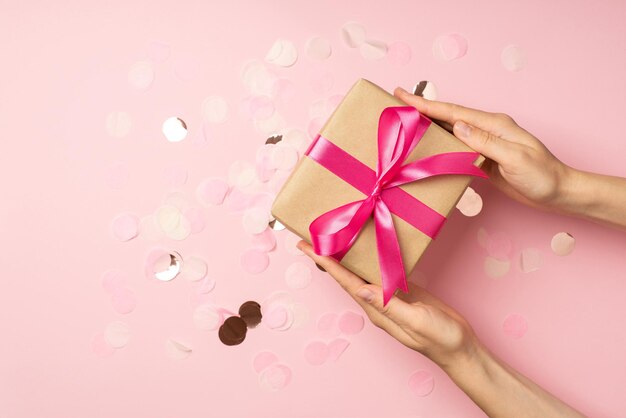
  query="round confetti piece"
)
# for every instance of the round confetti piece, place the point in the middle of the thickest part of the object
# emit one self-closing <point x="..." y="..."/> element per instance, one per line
<point x="327" y="324"/>
<point x="254" y="261"/>
<point x="275" y="225"/>
<point x="271" y="125"/>
<point x="275" y="377"/>
<point x="337" y="347"/>
<point x="282" y="53"/>
<point x="168" y="218"/>
<point x="148" y="229"/>
<point x="141" y="75"/>
<point x="176" y="350"/>
<point x="194" y="269"/>
<point x="258" y="78"/>
<point x="314" y="126"/>
<point x="174" y="129"/>
<point x="214" y="109"/>
<point x="264" y="166"/>
<point x="163" y="265"/>
<point x="450" y="47"/>
<point x="399" y="53"/>
<point x="514" y="326"/>
<point x="196" y="219"/>
<point x="316" y="353"/>
<point x="265" y="241"/>
<point x="470" y="203"/>
<point x="113" y="280"/>
<point x="175" y="175"/>
<point x="100" y="347"/>
<point x="182" y="230"/>
<point x="495" y="268"/>
<point x="318" y="48"/>
<point x="255" y="220"/>
<point x="276" y="318"/>
<point x="117" y="334"/>
<point x="177" y="199"/>
<point x="284" y="157"/>
<point x="241" y="173"/>
<point x="123" y="300"/>
<point x="421" y="383"/>
<point x="426" y="89"/>
<point x="297" y="139"/>
<point x="118" y="124"/>
<point x="290" y="243"/>
<point x="263" y="360"/>
<point x="300" y="315"/>
<point x="283" y="91"/>
<point x="499" y="246"/>
<point x="530" y="260"/>
<point x="373" y="50"/>
<point x="353" y="34"/>
<point x="562" y="244"/>
<point x="351" y="323"/>
<point x="197" y="298"/>
<point x="117" y="175"/>
<point x="298" y="275"/>
<point x="125" y="227"/>
<point x="482" y="237"/>
<point x="206" y="285"/>
<point x="212" y="191"/>
<point x="261" y="107"/>
<point x="207" y="317"/>
<point x="513" y="58"/>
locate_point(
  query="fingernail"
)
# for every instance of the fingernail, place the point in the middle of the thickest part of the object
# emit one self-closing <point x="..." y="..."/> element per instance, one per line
<point x="462" y="129"/>
<point x="365" y="294"/>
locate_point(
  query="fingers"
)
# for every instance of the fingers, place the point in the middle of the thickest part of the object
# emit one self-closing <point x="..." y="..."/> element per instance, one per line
<point x="486" y="143"/>
<point x="406" y="315"/>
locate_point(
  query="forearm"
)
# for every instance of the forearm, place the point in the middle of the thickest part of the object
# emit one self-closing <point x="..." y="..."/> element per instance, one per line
<point x="500" y="391"/>
<point x="597" y="197"/>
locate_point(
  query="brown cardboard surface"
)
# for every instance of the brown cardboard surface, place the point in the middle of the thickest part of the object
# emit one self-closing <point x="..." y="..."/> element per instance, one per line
<point x="312" y="190"/>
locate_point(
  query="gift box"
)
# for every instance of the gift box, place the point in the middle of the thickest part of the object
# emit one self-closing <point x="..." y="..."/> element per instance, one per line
<point x="376" y="185"/>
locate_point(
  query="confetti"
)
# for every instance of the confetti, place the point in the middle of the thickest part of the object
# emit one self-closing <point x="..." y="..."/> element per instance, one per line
<point x="450" y="47"/>
<point x="254" y="261"/>
<point x="113" y="280"/>
<point x="298" y="275"/>
<point x="328" y="324"/>
<point x="196" y="219"/>
<point x="300" y="315"/>
<point x="513" y="58"/>
<point x="214" y="109"/>
<point x="175" y="175"/>
<point x="212" y="191"/>
<point x="181" y="231"/>
<point x="250" y="312"/>
<point x="421" y="383"/>
<point x="470" y="203"/>
<point x="495" y="268"/>
<point x="353" y="34"/>
<point x="117" y="334"/>
<point x="314" y="126"/>
<point x="562" y="244"/>
<point x="426" y="89"/>
<point x="316" y="353"/>
<point x="275" y="377"/>
<point x="176" y="350"/>
<point x="255" y="220"/>
<point x="118" y="124"/>
<point x="141" y="75"/>
<point x="373" y="50"/>
<point x="194" y="269"/>
<point x="265" y="241"/>
<point x="318" y="48"/>
<point x="162" y="265"/>
<point x="123" y="300"/>
<point x="399" y="53"/>
<point x="207" y="285"/>
<point x="283" y="91"/>
<point x="351" y="323"/>
<point x="174" y="129"/>
<point x="207" y="317"/>
<point x="514" y="326"/>
<point x="499" y="246"/>
<point x="233" y="331"/>
<point x="241" y="174"/>
<point x="530" y="260"/>
<point x="282" y="53"/>
<point x="337" y="347"/>
<point x="168" y="217"/>
<point x="263" y="360"/>
<point x="124" y="227"/>
<point x="279" y="318"/>
<point x="290" y="243"/>
<point x="275" y="225"/>
<point x="261" y="107"/>
<point x="482" y="237"/>
<point x="100" y="347"/>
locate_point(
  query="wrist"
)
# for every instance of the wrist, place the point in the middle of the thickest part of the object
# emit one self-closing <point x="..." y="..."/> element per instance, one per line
<point x="572" y="196"/>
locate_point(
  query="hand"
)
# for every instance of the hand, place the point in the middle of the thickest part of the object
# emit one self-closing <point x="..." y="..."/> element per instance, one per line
<point x="518" y="163"/>
<point x="418" y="320"/>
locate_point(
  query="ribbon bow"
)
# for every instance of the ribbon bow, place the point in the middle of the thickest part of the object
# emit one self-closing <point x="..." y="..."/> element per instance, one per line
<point x="399" y="131"/>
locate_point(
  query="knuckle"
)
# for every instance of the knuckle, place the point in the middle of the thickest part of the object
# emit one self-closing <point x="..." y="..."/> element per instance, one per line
<point x="504" y="119"/>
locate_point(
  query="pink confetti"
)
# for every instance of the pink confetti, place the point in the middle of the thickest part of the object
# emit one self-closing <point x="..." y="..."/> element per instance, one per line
<point x="263" y="360"/>
<point x="113" y="280"/>
<point x="283" y="91"/>
<point x="261" y="107"/>
<point x="206" y="285"/>
<point x="175" y="175"/>
<point x="141" y="75"/>
<point x="337" y="347"/>
<point x="513" y="58"/>
<point x="123" y="300"/>
<point x="276" y="318"/>
<point x="254" y="261"/>
<point x="515" y="326"/>
<point x="298" y="275"/>
<point x="351" y="323"/>
<point x="255" y="220"/>
<point x="212" y="191"/>
<point x="421" y="383"/>
<point x="284" y="157"/>
<point x="125" y="227"/>
<point x="116" y="175"/>
<point x="314" y="126"/>
<point x="207" y="317"/>
<point x="399" y="53"/>
<point x="450" y="47"/>
<point x="499" y="246"/>
<point x="318" y="48"/>
<point x="265" y="241"/>
<point x="117" y="334"/>
<point x="196" y="219"/>
<point x="530" y="260"/>
<point x="327" y="324"/>
<point x="100" y="347"/>
<point x="562" y="244"/>
<point x="316" y="353"/>
<point x="275" y="377"/>
<point x="177" y="350"/>
<point x="495" y="268"/>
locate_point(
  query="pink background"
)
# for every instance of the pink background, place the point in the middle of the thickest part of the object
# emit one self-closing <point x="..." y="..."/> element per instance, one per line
<point x="65" y="68"/>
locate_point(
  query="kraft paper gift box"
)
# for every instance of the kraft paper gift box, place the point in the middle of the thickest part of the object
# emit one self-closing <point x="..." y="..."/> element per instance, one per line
<point x="312" y="190"/>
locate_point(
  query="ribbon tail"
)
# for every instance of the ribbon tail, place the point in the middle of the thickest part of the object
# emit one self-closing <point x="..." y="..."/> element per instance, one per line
<point x="460" y="163"/>
<point x="389" y="256"/>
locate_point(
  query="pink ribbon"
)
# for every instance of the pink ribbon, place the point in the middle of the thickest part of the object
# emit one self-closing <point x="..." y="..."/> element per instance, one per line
<point x="399" y="131"/>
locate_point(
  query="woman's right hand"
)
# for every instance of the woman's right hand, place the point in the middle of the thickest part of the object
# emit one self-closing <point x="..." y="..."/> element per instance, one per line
<point x="518" y="163"/>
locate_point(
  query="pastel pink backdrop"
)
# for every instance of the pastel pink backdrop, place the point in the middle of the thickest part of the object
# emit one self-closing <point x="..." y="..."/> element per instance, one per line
<point x="65" y="67"/>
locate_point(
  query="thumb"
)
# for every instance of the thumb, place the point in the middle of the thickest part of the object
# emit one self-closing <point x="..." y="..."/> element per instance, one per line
<point x="399" y="311"/>
<point x="486" y="143"/>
